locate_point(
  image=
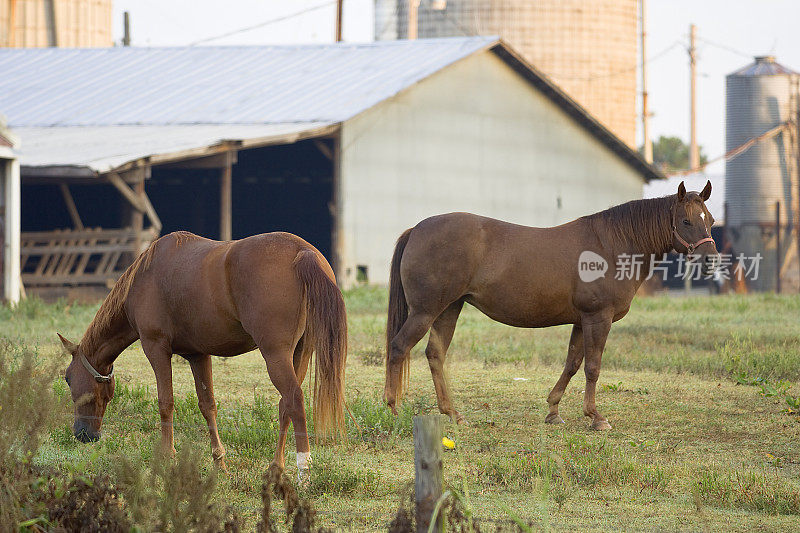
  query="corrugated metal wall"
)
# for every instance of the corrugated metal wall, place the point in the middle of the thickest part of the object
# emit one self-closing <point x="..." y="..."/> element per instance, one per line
<point x="474" y="137"/>
<point x="759" y="98"/>
<point x="588" y="47"/>
<point x="79" y="23"/>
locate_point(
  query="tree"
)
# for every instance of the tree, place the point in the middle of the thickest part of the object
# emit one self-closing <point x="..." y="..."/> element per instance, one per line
<point x="671" y="154"/>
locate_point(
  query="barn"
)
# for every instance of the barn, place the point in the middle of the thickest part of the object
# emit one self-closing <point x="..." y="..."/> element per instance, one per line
<point x="9" y="217"/>
<point x="344" y="144"/>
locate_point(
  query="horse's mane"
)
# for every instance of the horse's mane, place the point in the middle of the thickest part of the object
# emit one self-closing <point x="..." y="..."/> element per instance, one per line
<point x="644" y="224"/>
<point x="113" y="303"/>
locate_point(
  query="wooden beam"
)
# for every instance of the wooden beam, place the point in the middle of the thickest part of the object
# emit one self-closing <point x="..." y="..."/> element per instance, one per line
<point x="211" y="161"/>
<point x="70" y="201"/>
<point x="126" y="191"/>
<point x="151" y="214"/>
<point x="137" y="219"/>
<point x="142" y="203"/>
<point x="338" y="250"/>
<point x="226" y="200"/>
<point x="322" y="147"/>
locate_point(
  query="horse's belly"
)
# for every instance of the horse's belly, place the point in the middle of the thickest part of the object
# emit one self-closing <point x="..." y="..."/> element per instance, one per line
<point x="225" y="341"/>
<point x="534" y="313"/>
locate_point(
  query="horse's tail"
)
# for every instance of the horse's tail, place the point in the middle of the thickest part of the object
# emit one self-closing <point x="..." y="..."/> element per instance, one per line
<point x="325" y="334"/>
<point x="398" y="310"/>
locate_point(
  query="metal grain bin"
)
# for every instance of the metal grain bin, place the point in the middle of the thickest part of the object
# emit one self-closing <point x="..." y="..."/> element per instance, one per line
<point x="588" y="47"/>
<point x="760" y="97"/>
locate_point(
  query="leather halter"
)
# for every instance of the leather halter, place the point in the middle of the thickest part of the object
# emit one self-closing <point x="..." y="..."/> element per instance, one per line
<point x="690" y="247"/>
<point x="98" y="377"/>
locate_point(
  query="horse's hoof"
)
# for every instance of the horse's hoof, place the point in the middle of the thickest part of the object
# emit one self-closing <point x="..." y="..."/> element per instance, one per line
<point x="553" y="418"/>
<point x="220" y="464"/>
<point x="601" y="425"/>
<point x="393" y="408"/>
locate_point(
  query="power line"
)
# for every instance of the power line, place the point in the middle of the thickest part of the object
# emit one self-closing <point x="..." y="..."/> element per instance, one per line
<point x="725" y="47"/>
<point x="265" y="23"/>
<point x="652" y="58"/>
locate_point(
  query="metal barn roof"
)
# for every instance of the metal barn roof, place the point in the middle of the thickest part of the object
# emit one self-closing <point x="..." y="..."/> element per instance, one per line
<point x="96" y="109"/>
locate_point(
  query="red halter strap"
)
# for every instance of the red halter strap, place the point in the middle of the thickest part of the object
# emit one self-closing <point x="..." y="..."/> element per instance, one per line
<point x="690" y="247"/>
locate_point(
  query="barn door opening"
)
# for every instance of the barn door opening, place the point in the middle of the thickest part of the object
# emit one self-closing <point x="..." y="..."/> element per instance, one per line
<point x="286" y="188"/>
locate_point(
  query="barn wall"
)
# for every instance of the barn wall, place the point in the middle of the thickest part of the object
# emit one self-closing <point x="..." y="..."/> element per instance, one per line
<point x="474" y="137"/>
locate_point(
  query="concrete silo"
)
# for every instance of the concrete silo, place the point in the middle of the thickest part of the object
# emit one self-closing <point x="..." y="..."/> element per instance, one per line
<point x="588" y="47"/>
<point x="63" y="23"/>
<point x="761" y="97"/>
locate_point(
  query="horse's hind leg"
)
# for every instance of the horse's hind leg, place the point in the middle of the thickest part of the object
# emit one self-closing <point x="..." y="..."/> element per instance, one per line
<point x="574" y="359"/>
<point x="414" y="328"/>
<point x="441" y="335"/>
<point x="204" y="385"/>
<point x="301" y="361"/>
<point x="291" y="407"/>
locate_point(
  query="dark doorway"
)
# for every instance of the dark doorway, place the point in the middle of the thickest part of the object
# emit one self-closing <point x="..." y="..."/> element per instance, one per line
<point x="275" y="188"/>
<point x="43" y="207"/>
<point x="285" y="188"/>
<point x="186" y="199"/>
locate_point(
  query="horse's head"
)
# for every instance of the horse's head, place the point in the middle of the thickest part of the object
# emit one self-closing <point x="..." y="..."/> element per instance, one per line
<point x="90" y="391"/>
<point x="691" y="227"/>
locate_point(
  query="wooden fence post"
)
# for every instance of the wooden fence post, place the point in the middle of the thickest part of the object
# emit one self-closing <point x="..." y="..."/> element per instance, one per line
<point x="427" y="468"/>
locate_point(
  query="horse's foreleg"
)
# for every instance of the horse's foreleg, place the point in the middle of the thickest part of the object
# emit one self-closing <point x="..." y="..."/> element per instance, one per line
<point x="291" y="407"/>
<point x="414" y="328"/>
<point x="204" y="385"/>
<point x="574" y="360"/>
<point x="595" y="332"/>
<point x="159" y="354"/>
<point x="438" y="343"/>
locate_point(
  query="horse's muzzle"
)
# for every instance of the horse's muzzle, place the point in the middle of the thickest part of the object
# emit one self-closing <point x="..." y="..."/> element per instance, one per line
<point x="84" y="433"/>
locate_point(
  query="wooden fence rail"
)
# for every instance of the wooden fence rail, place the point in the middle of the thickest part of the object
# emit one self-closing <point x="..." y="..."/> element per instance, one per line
<point x="79" y="257"/>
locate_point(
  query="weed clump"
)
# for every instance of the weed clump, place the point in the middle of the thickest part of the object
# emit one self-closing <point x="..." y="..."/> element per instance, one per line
<point x="27" y="407"/>
<point x="299" y="512"/>
<point x="747" y="490"/>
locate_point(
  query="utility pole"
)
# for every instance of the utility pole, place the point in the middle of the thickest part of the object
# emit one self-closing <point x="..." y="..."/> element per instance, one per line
<point x="12" y="23"/>
<point x="50" y="20"/>
<point x="694" y="155"/>
<point x="126" y="36"/>
<point x="339" y="20"/>
<point x="648" y="146"/>
<point x="413" y="19"/>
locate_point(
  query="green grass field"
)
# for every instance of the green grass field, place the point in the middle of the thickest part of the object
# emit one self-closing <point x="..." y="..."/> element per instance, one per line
<point x="695" y="388"/>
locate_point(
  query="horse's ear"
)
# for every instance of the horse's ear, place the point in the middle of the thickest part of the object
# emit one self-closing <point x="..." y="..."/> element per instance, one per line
<point x="705" y="194"/>
<point x="681" y="192"/>
<point x="71" y="347"/>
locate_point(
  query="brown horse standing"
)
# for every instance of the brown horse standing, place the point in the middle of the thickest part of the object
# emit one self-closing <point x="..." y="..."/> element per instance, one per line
<point x="533" y="278"/>
<point x="196" y="297"/>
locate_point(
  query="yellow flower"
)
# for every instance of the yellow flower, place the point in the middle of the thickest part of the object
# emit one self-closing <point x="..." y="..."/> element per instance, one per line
<point x="447" y="443"/>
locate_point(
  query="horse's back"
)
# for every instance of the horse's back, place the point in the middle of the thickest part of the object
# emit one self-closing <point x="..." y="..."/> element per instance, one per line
<point x="211" y="296"/>
<point x="507" y="270"/>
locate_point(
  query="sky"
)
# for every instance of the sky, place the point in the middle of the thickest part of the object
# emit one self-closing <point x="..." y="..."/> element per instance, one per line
<point x="729" y="33"/>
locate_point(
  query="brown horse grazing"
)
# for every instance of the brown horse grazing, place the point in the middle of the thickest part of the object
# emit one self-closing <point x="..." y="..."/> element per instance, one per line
<point x="533" y="278"/>
<point x="196" y="297"/>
